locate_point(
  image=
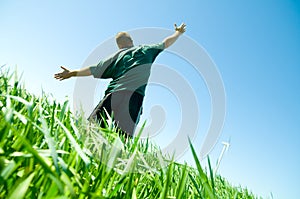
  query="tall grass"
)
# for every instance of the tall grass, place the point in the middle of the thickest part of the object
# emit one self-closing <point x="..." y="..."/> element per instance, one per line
<point x="46" y="152"/>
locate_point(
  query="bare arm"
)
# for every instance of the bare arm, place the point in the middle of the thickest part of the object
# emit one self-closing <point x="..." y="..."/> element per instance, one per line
<point x="172" y="38"/>
<point x="74" y="73"/>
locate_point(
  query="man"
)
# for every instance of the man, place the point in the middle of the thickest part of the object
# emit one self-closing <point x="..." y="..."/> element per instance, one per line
<point x="129" y="69"/>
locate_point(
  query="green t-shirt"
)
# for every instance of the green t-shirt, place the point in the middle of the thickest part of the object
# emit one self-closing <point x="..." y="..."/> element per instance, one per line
<point x="129" y="68"/>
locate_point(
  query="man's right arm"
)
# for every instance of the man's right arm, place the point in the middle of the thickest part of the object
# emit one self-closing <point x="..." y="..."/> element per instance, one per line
<point x="74" y="73"/>
<point x="98" y="71"/>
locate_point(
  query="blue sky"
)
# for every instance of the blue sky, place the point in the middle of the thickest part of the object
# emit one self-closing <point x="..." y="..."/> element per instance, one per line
<point x="255" y="45"/>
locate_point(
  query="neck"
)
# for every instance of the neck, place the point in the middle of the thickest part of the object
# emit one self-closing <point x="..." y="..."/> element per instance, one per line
<point x="129" y="46"/>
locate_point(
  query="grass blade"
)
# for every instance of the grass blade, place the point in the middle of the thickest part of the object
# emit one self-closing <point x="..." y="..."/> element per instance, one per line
<point x="182" y="182"/>
<point x="211" y="174"/>
<point x="167" y="181"/>
<point x="203" y="176"/>
<point x="137" y="138"/>
<point x="21" y="189"/>
<point x="196" y="185"/>
<point x="74" y="143"/>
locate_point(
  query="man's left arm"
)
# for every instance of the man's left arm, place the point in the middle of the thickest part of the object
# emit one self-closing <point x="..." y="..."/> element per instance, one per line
<point x="172" y="38"/>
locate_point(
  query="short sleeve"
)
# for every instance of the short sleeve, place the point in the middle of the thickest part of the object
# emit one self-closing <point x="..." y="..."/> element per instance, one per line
<point x="105" y="68"/>
<point x="102" y="70"/>
<point x="155" y="49"/>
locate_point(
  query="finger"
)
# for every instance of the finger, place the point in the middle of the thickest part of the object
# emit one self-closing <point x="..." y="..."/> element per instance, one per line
<point x="57" y="75"/>
<point x="175" y="26"/>
<point x="182" y="26"/>
<point x="63" y="68"/>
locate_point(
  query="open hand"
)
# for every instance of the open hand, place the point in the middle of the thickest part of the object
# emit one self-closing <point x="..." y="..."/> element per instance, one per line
<point x="180" y="28"/>
<point x="63" y="75"/>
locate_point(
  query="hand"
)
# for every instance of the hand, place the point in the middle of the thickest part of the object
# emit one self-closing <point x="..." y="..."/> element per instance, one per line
<point x="63" y="75"/>
<point x="180" y="28"/>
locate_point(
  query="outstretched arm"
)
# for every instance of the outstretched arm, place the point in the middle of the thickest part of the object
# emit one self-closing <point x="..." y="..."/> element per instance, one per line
<point x="171" y="39"/>
<point x="74" y="73"/>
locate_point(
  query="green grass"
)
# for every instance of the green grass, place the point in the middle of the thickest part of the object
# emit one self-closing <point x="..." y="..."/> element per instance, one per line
<point x="47" y="152"/>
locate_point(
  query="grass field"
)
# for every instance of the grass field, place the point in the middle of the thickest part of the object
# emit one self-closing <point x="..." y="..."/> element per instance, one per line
<point x="47" y="152"/>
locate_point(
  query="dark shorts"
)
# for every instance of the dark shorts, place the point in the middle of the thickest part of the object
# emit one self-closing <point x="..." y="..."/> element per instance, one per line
<point x="125" y="106"/>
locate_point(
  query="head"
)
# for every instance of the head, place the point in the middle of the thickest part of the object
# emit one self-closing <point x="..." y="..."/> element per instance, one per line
<point x="124" y="40"/>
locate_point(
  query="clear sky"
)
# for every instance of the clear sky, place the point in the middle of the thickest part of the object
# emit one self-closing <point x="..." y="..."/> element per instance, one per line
<point x="255" y="45"/>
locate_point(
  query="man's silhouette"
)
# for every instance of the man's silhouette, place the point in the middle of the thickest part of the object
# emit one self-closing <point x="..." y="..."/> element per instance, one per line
<point x="129" y="69"/>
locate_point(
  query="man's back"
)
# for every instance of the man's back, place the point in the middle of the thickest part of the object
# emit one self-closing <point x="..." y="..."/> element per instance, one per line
<point x="129" y="68"/>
